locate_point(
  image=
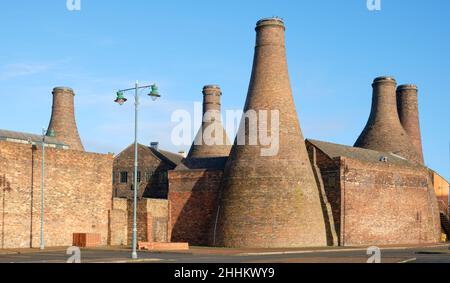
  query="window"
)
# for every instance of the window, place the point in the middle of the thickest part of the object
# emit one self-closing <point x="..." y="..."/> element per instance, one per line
<point x="138" y="177"/>
<point x="123" y="177"/>
<point x="113" y="177"/>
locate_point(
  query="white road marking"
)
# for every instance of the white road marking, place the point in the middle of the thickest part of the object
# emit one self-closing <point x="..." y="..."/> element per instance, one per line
<point x="336" y="250"/>
<point x="409" y="260"/>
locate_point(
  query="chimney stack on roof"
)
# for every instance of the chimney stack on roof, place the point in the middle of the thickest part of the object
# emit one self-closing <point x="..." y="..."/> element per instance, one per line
<point x="408" y="111"/>
<point x="154" y="145"/>
<point x="383" y="131"/>
<point x="63" y="121"/>
<point x="270" y="201"/>
<point x="211" y="140"/>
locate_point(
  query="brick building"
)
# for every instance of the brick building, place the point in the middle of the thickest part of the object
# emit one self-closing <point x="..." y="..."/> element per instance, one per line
<point x="441" y="188"/>
<point x="312" y="193"/>
<point x="376" y="197"/>
<point x="154" y="165"/>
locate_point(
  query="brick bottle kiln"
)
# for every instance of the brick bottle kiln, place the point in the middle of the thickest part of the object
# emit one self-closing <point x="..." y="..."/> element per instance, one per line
<point x="408" y="110"/>
<point x="63" y="118"/>
<point x="211" y="140"/>
<point x="383" y="131"/>
<point x="270" y="201"/>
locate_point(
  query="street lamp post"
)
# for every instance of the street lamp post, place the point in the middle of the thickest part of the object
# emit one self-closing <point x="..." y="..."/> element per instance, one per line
<point x="154" y="94"/>
<point x="45" y="133"/>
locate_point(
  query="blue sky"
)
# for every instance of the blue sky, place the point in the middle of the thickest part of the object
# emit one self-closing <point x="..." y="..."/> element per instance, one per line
<point x="335" y="49"/>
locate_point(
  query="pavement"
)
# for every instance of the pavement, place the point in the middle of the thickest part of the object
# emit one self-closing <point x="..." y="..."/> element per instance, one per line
<point x="389" y="254"/>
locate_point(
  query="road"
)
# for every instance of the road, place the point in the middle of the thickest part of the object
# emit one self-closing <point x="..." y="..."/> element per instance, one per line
<point x="439" y="254"/>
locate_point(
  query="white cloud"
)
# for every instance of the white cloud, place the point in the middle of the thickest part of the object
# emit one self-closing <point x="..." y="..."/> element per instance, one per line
<point x="23" y="69"/>
<point x="12" y="71"/>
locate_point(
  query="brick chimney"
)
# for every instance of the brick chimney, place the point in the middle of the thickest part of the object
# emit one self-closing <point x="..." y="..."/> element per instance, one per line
<point x="383" y="131"/>
<point x="211" y="140"/>
<point x="408" y="111"/>
<point x="270" y="201"/>
<point x="63" y="118"/>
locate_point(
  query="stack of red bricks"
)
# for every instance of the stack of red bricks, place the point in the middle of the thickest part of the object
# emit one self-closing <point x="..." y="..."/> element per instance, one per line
<point x="86" y="240"/>
<point x="154" y="246"/>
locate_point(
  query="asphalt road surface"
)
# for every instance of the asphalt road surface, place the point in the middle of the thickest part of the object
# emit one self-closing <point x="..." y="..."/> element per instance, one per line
<point x="389" y="255"/>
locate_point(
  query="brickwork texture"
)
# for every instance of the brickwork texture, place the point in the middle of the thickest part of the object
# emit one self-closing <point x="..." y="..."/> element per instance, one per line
<point x="193" y="201"/>
<point x="408" y="111"/>
<point x="77" y="195"/>
<point x="152" y="221"/>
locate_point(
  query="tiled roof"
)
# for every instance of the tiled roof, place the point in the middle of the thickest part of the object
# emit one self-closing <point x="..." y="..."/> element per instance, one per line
<point x="167" y="156"/>
<point x="163" y="155"/>
<point x="213" y="163"/>
<point x="336" y="150"/>
<point x="28" y="138"/>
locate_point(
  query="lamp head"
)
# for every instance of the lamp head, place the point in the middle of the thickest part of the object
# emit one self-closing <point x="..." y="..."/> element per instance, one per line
<point x="120" y="98"/>
<point x="154" y="94"/>
<point x="51" y="133"/>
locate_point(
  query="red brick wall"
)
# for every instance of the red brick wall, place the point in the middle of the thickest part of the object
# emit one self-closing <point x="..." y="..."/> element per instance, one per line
<point x="78" y="189"/>
<point x="330" y="172"/>
<point x="386" y="204"/>
<point x="192" y="204"/>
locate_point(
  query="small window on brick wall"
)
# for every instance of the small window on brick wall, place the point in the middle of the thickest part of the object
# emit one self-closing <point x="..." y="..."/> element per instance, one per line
<point x="124" y="177"/>
<point x="138" y="177"/>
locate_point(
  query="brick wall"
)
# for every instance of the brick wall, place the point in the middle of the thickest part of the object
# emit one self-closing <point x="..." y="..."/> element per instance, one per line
<point x="152" y="221"/>
<point x="118" y="225"/>
<point x="387" y="204"/>
<point x="78" y="191"/>
<point x="193" y="199"/>
<point x="330" y="172"/>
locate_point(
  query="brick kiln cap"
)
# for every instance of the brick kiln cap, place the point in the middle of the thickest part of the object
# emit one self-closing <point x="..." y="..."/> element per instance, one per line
<point x="215" y="88"/>
<point x="407" y="87"/>
<point x="63" y="89"/>
<point x="384" y="79"/>
<point x="273" y="21"/>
